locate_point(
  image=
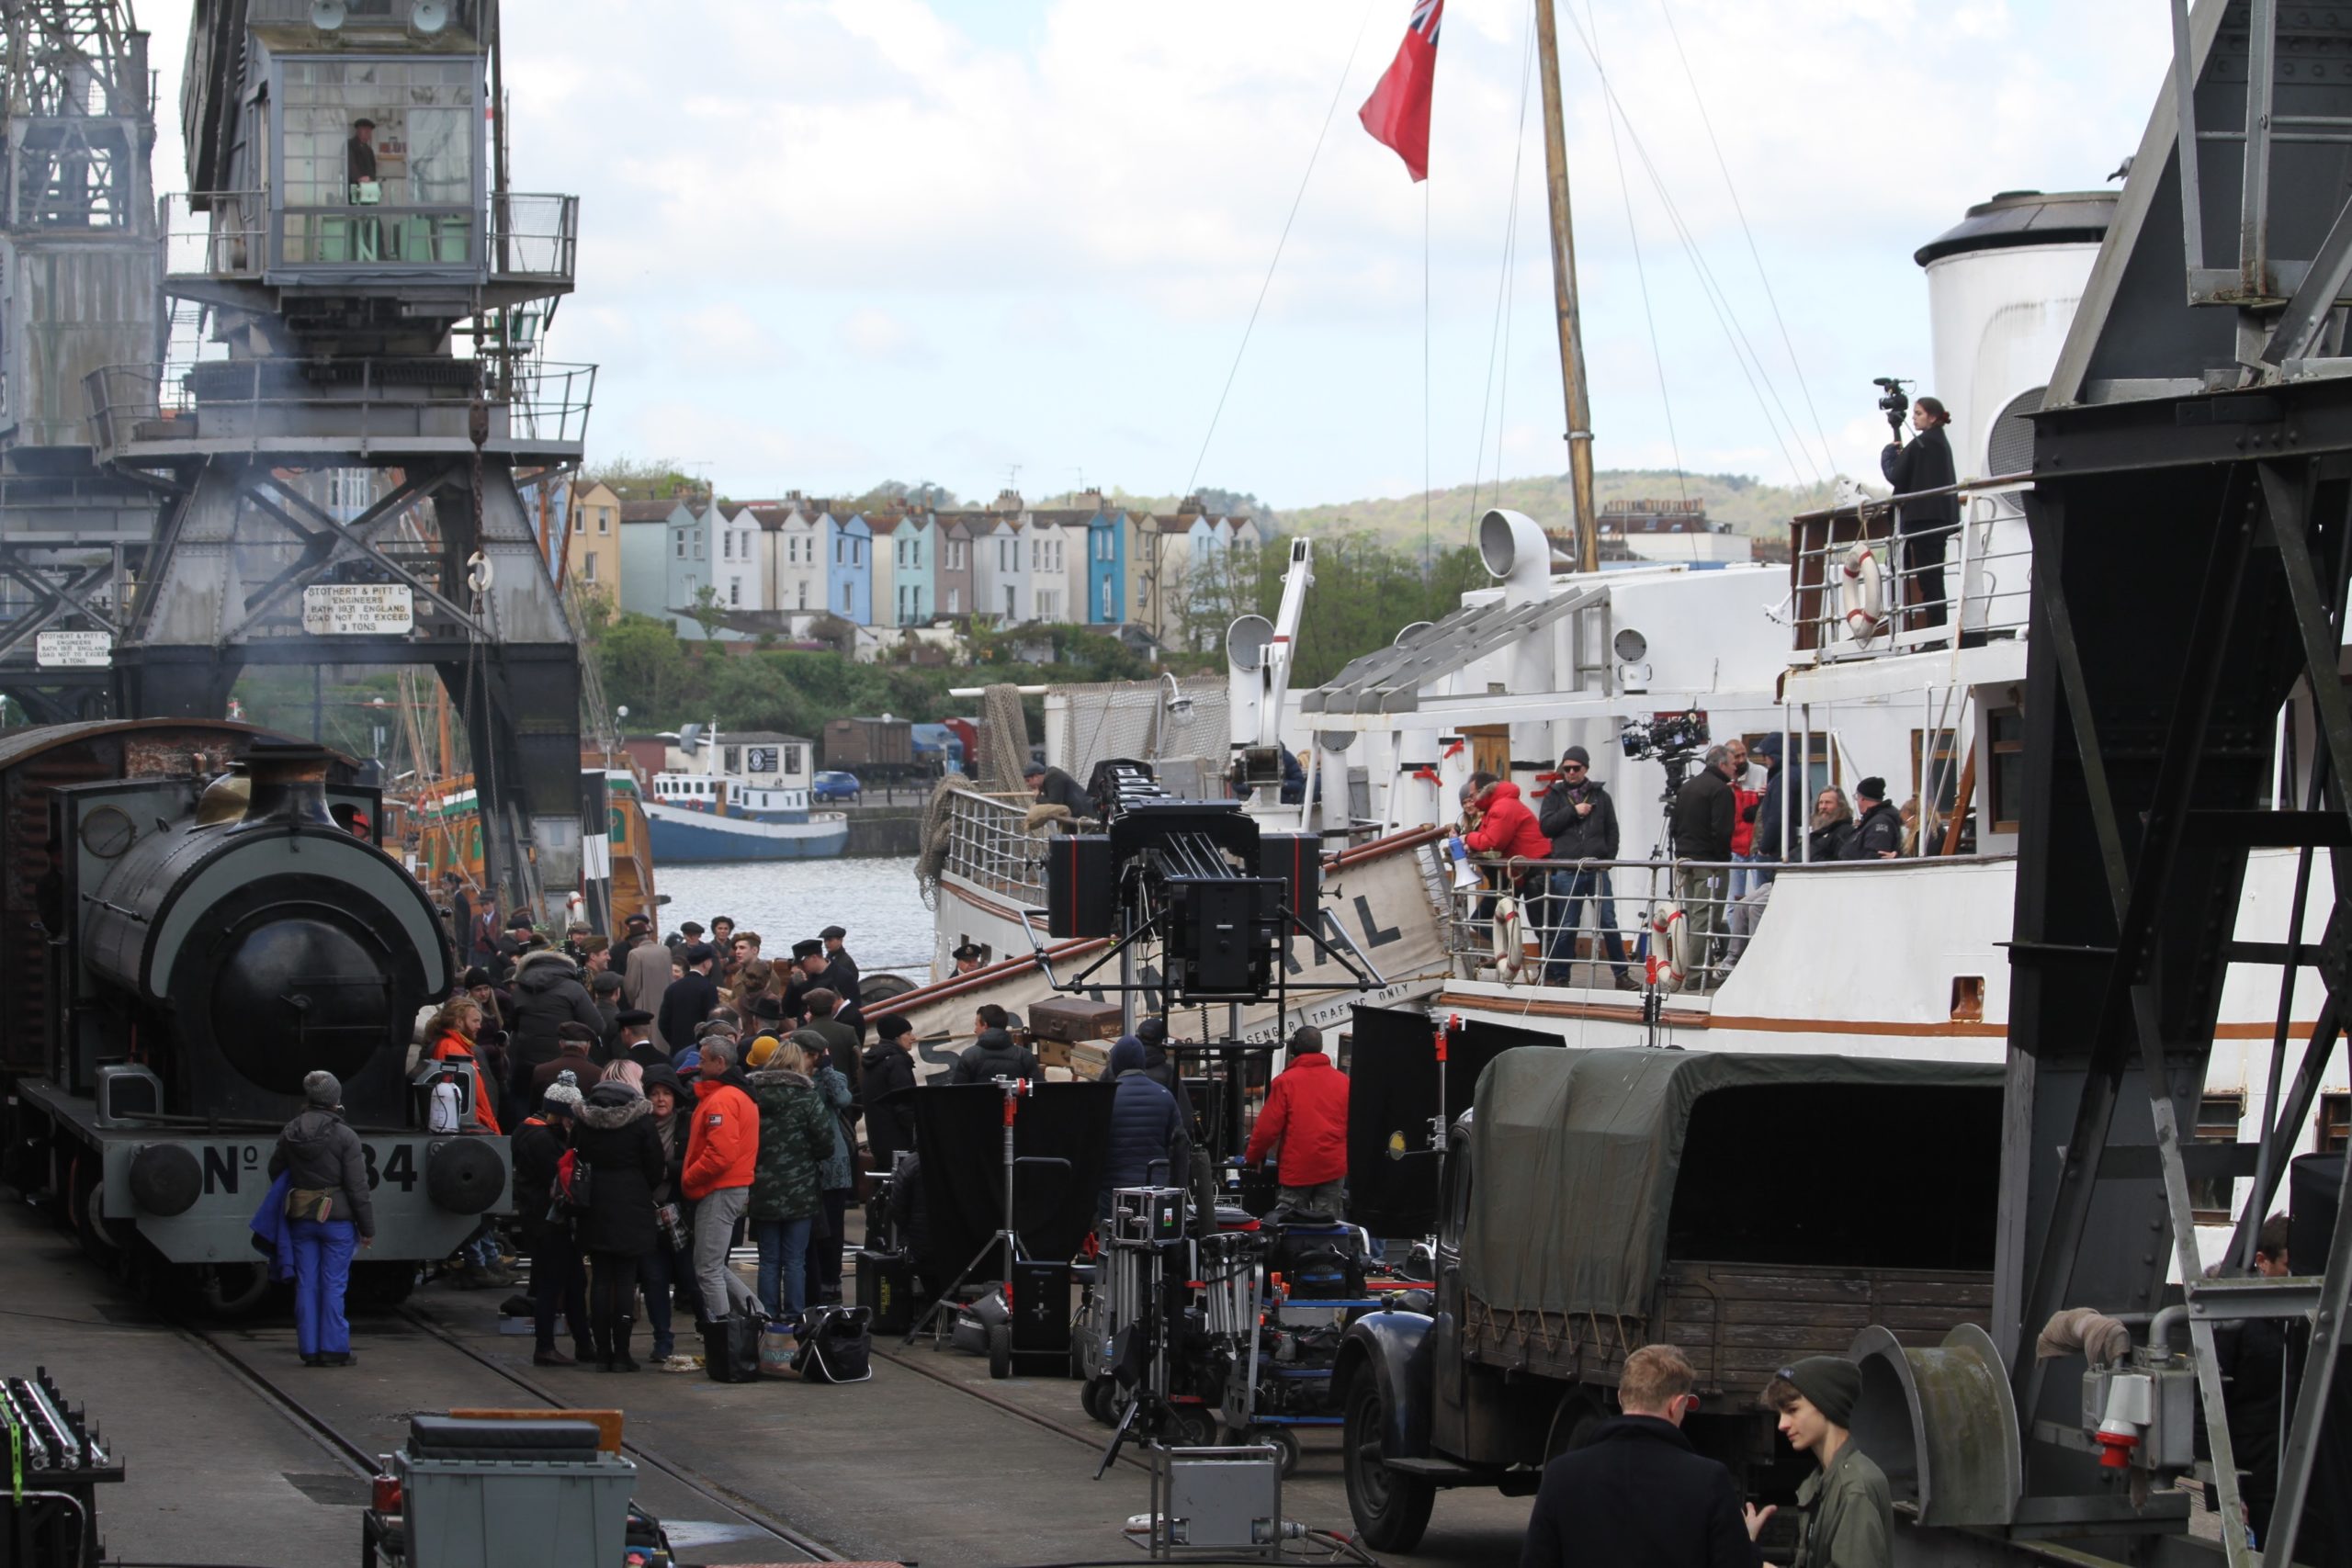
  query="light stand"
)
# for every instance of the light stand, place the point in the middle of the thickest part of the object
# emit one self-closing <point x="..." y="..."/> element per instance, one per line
<point x="1005" y="1237"/>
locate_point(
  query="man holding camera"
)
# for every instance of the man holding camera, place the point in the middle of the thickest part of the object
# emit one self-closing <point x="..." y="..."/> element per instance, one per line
<point x="1926" y="525"/>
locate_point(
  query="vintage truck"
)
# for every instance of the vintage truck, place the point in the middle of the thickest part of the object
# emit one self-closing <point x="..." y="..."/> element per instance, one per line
<point x="1750" y="1209"/>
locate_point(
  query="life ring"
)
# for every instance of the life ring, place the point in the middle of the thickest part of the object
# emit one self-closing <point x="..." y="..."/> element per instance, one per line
<point x="1510" y="940"/>
<point x="1672" y="950"/>
<point x="478" y="572"/>
<point x="1862" y="594"/>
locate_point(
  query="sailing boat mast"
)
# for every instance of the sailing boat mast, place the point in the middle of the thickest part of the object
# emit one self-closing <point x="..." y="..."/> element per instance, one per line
<point x="1563" y="292"/>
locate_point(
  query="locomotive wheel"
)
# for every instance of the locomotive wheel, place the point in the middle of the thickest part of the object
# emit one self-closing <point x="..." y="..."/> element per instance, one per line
<point x="222" y="1290"/>
<point x="378" y="1286"/>
<point x="1391" y="1510"/>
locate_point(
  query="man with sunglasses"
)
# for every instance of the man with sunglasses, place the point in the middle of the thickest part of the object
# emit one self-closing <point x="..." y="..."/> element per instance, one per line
<point x="1636" y="1495"/>
<point x="1581" y="821"/>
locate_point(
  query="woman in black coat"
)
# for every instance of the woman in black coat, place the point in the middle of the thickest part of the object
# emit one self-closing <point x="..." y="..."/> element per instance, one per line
<point x="1927" y="525"/>
<point x="622" y="1149"/>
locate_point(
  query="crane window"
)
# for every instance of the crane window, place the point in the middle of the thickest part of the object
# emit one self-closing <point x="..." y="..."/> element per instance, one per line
<point x="378" y="161"/>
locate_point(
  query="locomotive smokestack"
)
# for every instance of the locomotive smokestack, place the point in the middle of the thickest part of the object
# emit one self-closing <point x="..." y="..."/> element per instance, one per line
<point x="289" y="783"/>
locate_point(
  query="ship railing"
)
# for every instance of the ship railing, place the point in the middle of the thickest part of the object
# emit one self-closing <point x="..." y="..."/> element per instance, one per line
<point x="989" y="844"/>
<point x="1564" y="914"/>
<point x="215" y="233"/>
<point x="1986" y="573"/>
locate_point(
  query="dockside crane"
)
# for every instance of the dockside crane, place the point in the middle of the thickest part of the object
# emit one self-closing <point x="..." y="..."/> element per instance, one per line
<point x="339" y="452"/>
<point x="80" y="275"/>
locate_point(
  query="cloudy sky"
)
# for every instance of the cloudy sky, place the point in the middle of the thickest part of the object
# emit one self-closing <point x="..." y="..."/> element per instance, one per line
<point x="828" y="242"/>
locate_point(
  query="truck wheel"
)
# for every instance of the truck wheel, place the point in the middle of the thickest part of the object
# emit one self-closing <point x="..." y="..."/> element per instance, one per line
<point x="1391" y="1510"/>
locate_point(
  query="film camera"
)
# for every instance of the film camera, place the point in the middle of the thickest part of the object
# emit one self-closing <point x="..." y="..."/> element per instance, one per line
<point x="1665" y="734"/>
<point x="1675" y="740"/>
<point x="1894" y="401"/>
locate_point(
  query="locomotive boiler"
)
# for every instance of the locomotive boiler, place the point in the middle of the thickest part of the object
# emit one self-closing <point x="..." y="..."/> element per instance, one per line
<point x="200" y="927"/>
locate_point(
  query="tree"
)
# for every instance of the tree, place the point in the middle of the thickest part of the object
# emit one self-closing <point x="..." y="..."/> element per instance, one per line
<point x="645" y="667"/>
<point x="632" y="478"/>
<point x="707" y="612"/>
<point x="923" y="493"/>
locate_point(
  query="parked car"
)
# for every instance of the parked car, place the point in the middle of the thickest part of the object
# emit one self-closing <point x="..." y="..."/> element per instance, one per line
<point x="835" y="786"/>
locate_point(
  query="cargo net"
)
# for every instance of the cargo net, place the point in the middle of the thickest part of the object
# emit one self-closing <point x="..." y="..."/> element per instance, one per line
<point x="1186" y="748"/>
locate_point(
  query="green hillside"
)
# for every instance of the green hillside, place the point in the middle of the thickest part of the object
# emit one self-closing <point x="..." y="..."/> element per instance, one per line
<point x="1760" y="511"/>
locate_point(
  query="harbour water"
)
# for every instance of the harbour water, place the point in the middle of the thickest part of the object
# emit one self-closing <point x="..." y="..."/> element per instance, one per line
<point x="876" y="900"/>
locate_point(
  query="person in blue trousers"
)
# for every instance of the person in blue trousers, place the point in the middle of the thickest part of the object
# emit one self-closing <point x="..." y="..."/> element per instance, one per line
<point x="328" y="1215"/>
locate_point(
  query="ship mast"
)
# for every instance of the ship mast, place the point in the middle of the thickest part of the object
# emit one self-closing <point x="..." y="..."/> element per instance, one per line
<point x="1564" y="291"/>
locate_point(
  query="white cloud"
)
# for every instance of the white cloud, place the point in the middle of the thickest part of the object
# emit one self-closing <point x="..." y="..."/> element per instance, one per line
<point x="1008" y="230"/>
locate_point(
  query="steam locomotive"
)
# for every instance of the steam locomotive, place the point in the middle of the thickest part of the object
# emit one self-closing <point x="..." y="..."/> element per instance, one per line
<point x="188" y="924"/>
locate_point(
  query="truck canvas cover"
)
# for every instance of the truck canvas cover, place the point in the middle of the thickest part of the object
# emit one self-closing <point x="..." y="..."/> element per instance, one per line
<point x="1576" y="1155"/>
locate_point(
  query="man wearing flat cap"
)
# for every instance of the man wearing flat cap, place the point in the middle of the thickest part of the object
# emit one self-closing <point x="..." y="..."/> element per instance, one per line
<point x="1848" y="1521"/>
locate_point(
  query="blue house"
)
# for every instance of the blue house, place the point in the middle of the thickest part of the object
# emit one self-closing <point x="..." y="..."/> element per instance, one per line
<point x="846" y="546"/>
<point x="1106" y="566"/>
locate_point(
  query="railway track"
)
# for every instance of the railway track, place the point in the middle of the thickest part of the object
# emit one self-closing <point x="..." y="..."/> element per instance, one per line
<point x="362" y="1462"/>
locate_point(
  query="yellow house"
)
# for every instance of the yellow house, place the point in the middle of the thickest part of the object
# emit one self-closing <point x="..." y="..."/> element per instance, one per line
<point x="591" y="556"/>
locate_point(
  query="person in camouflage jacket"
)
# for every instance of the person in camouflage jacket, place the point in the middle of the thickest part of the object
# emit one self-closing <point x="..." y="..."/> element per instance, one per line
<point x="795" y="1142"/>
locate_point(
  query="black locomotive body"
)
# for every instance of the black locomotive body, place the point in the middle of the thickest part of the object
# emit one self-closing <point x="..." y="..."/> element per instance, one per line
<point x="197" y="927"/>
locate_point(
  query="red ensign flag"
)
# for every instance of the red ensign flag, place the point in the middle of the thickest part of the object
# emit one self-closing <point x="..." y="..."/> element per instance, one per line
<point x="1397" y="113"/>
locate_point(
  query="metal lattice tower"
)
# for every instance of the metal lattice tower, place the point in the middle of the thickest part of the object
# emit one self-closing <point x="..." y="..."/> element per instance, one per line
<point x="80" y="278"/>
<point x="340" y="441"/>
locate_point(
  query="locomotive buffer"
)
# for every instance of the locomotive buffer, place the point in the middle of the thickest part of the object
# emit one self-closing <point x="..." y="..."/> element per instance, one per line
<point x="340" y="455"/>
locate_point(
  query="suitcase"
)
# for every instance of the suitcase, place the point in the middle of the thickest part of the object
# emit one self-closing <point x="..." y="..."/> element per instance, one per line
<point x="886" y="1283"/>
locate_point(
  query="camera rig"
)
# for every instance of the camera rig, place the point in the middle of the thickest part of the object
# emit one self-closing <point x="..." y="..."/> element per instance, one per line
<point x="1219" y="898"/>
<point x="1675" y="740"/>
<point x="1895" y="400"/>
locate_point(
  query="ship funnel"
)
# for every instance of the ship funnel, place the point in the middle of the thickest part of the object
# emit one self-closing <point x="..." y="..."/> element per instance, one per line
<point x="1517" y="554"/>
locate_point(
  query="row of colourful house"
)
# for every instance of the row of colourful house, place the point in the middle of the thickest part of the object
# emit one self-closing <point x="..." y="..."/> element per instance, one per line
<point x="1093" y="562"/>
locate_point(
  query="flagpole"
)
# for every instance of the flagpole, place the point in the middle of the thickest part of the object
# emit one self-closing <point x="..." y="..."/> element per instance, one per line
<point x="1564" y="291"/>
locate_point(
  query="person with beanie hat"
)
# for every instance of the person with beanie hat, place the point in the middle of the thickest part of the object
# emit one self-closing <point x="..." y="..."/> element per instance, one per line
<point x="1304" y="1125"/>
<point x="559" y="1274"/>
<point x="887" y="1068"/>
<point x="1878" y="831"/>
<point x="328" y="1214"/>
<point x="615" y="1139"/>
<point x="1148" y="1145"/>
<point x="1849" y="1516"/>
<point x="1580" y="819"/>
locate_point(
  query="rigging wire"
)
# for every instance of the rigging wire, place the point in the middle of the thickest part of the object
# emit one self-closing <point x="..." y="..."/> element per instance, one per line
<point x="1732" y="190"/>
<point x="1337" y="88"/>
<point x="1625" y="189"/>
<point x="1743" y="352"/>
<point x="1502" y="279"/>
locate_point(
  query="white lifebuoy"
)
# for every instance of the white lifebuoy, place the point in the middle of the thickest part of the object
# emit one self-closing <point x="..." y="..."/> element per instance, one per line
<point x="1672" y="950"/>
<point x="1510" y="939"/>
<point x="1862" y="594"/>
<point x="478" y="572"/>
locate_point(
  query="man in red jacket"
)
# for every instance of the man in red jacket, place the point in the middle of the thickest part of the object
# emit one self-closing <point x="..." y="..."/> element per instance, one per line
<point x="721" y="1150"/>
<point x="1306" y="1115"/>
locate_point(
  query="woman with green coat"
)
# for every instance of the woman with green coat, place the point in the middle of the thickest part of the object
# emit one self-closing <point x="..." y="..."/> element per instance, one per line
<point x="797" y="1134"/>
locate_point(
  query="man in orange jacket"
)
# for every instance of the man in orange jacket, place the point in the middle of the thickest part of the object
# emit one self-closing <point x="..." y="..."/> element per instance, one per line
<point x="721" y="1149"/>
<point x="1306" y="1115"/>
